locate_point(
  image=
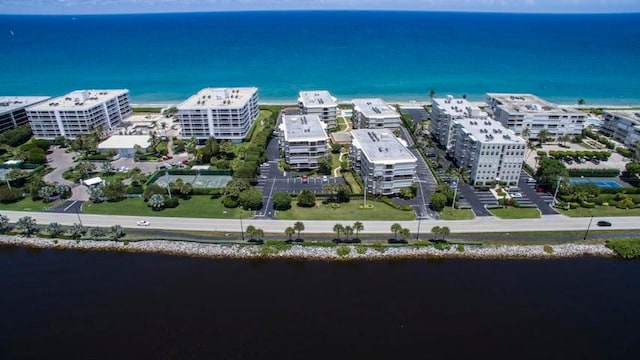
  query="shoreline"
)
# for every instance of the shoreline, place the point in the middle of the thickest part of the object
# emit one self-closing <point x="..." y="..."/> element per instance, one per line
<point x="298" y="252"/>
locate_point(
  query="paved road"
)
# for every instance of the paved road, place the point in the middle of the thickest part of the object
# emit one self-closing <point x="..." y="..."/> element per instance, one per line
<point x="478" y="225"/>
<point x="426" y="181"/>
<point x="69" y="207"/>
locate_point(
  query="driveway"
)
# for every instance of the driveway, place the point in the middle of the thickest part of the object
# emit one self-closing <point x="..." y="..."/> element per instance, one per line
<point x="418" y="113"/>
<point x="60" y="161"/>
<point x="426" y="181"/>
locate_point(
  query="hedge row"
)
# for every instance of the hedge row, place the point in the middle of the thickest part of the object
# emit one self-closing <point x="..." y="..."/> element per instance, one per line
<point x="594" y="172"/>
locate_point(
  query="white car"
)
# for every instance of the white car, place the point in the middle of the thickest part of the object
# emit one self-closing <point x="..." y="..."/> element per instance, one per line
<point x="143" y="223"/>
<point x="516" y="195"/>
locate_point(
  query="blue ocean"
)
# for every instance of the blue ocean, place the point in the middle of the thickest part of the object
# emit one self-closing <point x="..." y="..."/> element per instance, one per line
<point x="395" y="55"/>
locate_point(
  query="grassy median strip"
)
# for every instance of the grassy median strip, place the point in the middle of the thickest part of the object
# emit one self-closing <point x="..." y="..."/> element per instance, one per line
<point x="196" y="207"/>
<point x="600" y="211"/>
<point x="449" y="213"/>
<point x="516" y="213"/>
<point x="346" y="211"/>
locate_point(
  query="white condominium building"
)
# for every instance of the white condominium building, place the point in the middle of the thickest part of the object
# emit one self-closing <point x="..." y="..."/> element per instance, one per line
<point x="224" y="113"/>
<point x="12" y="110"/>
<point x="488" y="150"/>
<point x="622" y="125"/>
<point x="526" y="111"/>
<point x="321" y="103"/>
<point x="374" y="113"/>
<point x="444" y="111"/>
<point x="303" y="140"/>
<point x="79" y="112"/>
<point x="385" y="163"/>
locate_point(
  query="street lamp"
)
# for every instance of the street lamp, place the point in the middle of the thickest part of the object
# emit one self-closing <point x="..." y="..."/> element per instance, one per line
<point x="419" y="221"/>
<point x="455" y="193"/>
<point x="588" y="227"/>
<point x="553" y="204"/>
<point x="241" y="226"/>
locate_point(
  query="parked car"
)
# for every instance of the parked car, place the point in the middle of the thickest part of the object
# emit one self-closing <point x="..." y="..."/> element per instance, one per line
<point x="325" y="178"/>
<point x="603" y="223"/>
<point x="305" y="178"/>
<point x="143" y="223"/>
<point x="515" y="195"/>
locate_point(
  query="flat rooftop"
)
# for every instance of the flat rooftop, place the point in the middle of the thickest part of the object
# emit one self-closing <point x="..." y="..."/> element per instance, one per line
<point x="214" y="98"/>
<point x="303" y="128"/>
<point x="125" y="142"/>
<point x="374" y="108"/>
<point x="490" y="131"/>
<point x="78" y="100"/>
<point x="11" y="103"/>
<point x="457" y="107"/>
<point x="317" y="98"/>
<point x="633" y="115"/>
<point x="380" y="145"/>
<point x="529" y="104"/>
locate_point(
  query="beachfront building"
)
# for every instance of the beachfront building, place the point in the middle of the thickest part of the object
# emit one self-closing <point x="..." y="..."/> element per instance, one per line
<point x="373" y="114"/>
<point x="303" y="140"/>
<point x="622" y="126"/>
<point x="223" y="113"/>
<point x="321" y="103"/>
<point x="490" y="151"/>
<point x="527" y="111"/>
<point x="79" y="112"/>
<point x="444" y="111"/>
<point x="125" y="145"/>
<point x="385" y="163"/>
<point x="12" y="110"/>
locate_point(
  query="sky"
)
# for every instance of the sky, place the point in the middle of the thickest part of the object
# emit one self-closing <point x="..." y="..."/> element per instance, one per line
<point x="156" y="6"/>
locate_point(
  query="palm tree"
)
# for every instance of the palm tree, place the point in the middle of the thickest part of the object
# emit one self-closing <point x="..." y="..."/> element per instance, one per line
<point x="289" y="231"/>
<point x="28" y="225"/>
<point x="526" y="133"/>
<point x="259" y="234"/>
<point x="251" y="231"/>
<point x="163" y="126"/>
<point x="357" y="227"/>
<point x="445" y="231"/>
<point x="436" y="230"/>
<point x="77" y="231"/>
<point x="97" y="232"/>
<point x="338" y="228"/>
<point x="156" y="201"/>
<point x="432" y="94"/>
<point x="395" y="228"/>
<point x="54" y="229"/>
<point x="107" y="167"/>
<point x="298" y="226"/>
<point x="117" y="232"/>
<point x="4" y="223"/>
<point x="348" y="231"/>
<point x="543" y="136"/>
<point x="405" y="233"/>
<point x="581" y="101"/>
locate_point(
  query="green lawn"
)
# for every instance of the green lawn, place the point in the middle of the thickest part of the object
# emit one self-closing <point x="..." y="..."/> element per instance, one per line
<point x="27" y="204"/>
<point x="456" y="214"/>
<point x="197" y="207"/>
<point x="516" y="213"/>
<point x="351" y="181"/>
<point x="347" y="211"/>
<point x="342" y="123"/>
<point x="601" y="211"/>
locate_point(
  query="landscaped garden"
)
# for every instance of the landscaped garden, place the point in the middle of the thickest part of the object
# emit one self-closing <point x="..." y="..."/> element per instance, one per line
<point x="352" y="210"/>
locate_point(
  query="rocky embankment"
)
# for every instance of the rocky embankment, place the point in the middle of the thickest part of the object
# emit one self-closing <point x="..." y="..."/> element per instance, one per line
<point x="343" y="252"/>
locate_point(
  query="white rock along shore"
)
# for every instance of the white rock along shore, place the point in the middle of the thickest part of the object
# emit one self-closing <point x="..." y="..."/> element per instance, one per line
<point x="315" y="253"/>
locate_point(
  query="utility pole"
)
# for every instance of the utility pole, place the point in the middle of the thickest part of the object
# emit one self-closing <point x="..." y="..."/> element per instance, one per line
<point x="455" y="193"/>
<point x="241" y="226"/>
<point x="418" y="232"/>
<point x="364" y="203"/>
<point x="588" y="227"/>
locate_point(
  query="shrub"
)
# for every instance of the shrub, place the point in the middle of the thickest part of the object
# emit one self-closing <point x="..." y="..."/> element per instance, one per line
<point x="10" y="195"/>
<point x="306" y="199"/>
<point x="625" y="248"/>
<point x="391" y="203"/>
<point x="548" y="249"/>
<point x="460" y="248"/>
<point x="361" y="249"/>
<point x="343" y="251"/>
<point x="588" y="205"/>
<point x="229" y="202"/>
<point x="442" y="245"/>
<point x="171" y="202"/>
<point x="135" y="189"/>
<point x="574" y="205"/>
<point x="598" y="201"/>
<point x="281" y="201"/>
<point x="378" y="247"/>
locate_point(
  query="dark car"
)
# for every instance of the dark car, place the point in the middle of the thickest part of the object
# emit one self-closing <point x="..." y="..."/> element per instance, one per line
<point x="603" y="223"/>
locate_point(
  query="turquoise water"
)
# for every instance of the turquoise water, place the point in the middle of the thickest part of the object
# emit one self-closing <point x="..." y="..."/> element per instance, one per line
<point x="395" y="55"/>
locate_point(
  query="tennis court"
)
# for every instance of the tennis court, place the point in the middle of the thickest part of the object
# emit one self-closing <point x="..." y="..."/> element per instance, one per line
<point x="197" y="181"/>
<point x="611" y="183"/>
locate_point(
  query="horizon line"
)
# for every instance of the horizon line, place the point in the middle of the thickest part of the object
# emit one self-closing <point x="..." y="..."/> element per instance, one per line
<point x="332" y="10"/>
